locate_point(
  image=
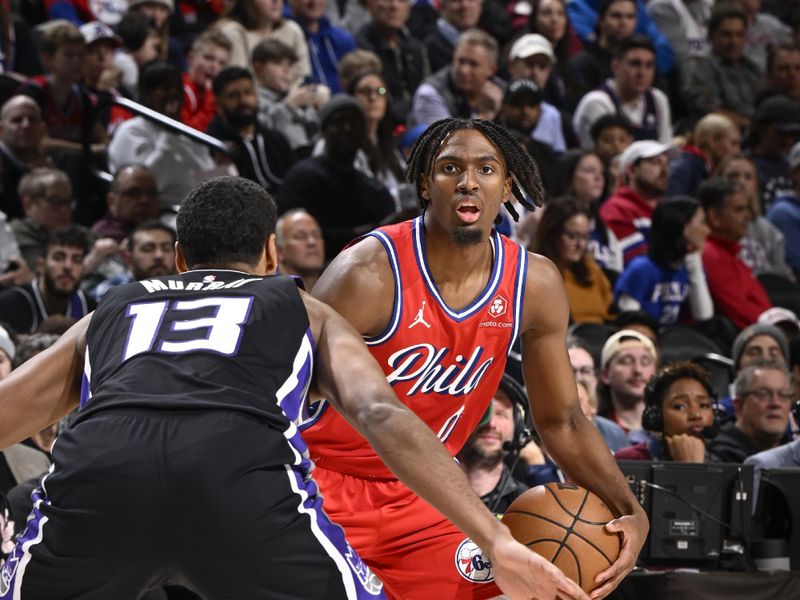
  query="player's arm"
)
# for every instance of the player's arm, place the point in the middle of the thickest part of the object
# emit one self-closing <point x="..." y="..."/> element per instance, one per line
<point x="358" y="284"/>
<point x="572" y="441"/>
<point x="43" y="389"/>
<point x="350" y="378"/>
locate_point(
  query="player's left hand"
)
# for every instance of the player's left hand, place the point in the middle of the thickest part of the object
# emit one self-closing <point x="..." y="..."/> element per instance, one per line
<point x="634" y="530"/>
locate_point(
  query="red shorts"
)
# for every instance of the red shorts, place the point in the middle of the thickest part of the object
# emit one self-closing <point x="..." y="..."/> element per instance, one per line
<point x="416" y="552"/>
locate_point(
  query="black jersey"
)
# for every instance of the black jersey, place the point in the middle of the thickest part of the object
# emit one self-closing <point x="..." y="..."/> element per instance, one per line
<point x="206" y="339"/>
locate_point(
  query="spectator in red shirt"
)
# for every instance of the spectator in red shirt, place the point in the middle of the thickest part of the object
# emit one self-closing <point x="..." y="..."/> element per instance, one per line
<point x="644" y="166"/>
<point x="736" y="292"/>
<point x="210" y="53"/>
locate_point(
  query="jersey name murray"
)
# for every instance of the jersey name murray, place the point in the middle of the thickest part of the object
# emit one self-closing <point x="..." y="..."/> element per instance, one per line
<point x="208" y="284"/>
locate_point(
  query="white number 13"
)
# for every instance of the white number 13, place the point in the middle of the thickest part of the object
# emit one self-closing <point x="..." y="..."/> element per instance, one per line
<point x="218" y="333"/>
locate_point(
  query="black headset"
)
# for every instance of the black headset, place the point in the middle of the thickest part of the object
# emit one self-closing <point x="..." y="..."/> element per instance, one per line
<point x="523" y="426"/>
<point x="796" y="412"/>
<point x="653" y="415"/>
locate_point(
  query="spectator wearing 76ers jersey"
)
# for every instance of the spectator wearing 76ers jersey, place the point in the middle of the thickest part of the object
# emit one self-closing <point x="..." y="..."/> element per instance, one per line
<point x="644" y="167"/>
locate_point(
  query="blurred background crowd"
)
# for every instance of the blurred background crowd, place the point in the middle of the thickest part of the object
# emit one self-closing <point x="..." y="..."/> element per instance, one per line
<point x="667" y="134"/>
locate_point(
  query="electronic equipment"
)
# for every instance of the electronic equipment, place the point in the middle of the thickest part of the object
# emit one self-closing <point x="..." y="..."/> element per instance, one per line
<point x="777" y="514"/>
<point x="700" y="513"/>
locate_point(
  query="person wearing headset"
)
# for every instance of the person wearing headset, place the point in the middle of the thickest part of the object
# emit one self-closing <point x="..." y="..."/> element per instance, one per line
<point x="679" y="416"/>
<point x="501" y="431"/>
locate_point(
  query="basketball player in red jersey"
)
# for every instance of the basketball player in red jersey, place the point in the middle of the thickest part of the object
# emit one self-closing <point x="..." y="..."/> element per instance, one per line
<point x="440" y="300"/>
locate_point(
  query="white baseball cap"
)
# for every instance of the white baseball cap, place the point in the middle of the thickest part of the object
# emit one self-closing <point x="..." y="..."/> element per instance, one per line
<point x="531" y="44"/>
<point x="623" y="339"/>
<point x="645" y="149"/>
<point x="95" y="31"/>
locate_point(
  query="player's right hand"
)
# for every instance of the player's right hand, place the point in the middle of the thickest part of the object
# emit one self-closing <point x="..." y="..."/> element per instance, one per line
<point x="522" y="574"/>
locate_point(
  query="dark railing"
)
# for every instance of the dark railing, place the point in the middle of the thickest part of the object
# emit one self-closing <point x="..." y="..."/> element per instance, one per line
<point x="166" y="122"/>
<point x="171" y="124"/>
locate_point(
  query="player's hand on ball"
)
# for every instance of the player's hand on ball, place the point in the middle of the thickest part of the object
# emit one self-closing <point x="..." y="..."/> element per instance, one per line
<point x="634" y="530"/>
<point x="522" y="574"/>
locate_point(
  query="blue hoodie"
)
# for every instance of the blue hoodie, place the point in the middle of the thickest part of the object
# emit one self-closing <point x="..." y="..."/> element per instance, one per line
<point x="325" y="48"/>
<point x="784" y="213"/>
<point x="583" y="17"/>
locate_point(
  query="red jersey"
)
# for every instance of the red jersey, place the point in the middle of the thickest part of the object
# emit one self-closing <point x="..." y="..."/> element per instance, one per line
<point x="444" y="364"/>
<point x="199" y="107"/>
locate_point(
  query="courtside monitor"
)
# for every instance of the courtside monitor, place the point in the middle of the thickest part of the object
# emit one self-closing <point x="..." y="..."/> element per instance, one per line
<point x="777" y="514"/>
<point x="700" y="513"/>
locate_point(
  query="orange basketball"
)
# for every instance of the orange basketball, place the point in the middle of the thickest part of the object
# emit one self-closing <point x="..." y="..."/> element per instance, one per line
<point x="566" y="524"/>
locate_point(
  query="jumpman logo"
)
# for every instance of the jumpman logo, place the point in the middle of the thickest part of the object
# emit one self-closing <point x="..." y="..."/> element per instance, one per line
<point x="420" y="318"/>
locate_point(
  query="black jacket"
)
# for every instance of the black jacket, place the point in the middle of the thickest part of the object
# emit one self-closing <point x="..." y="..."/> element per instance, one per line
<point x="404" y="67"/>
<point x="265" y="158"/>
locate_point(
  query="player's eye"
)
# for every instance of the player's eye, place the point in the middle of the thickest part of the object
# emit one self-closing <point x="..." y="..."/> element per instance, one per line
<point x="487" y="170"/>
<point x="449" y="168"/>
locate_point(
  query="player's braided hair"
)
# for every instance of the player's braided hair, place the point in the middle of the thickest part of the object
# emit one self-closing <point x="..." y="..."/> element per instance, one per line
<point x="526" y="183"/>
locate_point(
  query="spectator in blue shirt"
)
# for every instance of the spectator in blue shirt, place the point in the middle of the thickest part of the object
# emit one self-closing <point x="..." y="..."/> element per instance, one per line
<point x="659" y="282"/>
<point x="784" y="213"/>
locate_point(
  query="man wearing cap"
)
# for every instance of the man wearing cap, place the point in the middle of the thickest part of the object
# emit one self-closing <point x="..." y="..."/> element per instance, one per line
<point x="756" y="343"/>
<point x="616" y="21"/>
<point x="775" y="130"/>
<point x="630" y="94"/>
<point x="523" y="112"/>
<point x="725" y="80"/>
<point x="644" y="168"/>
<point x="627" y="362"/>
<point x="459" y="89"/>
<point x="99" y="72"/>
<point x="784" y="213"/>
<point x="532" y="58"/>
<point x="455" y="17"/>
<point x="784" y="319"/>
<point x="345" y="202"/>
<point x="737" y="294"/>
<point x="260" y="154"/>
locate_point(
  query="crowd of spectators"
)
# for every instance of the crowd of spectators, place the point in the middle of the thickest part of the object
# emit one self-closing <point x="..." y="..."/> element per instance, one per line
<point x="667" y="134"/>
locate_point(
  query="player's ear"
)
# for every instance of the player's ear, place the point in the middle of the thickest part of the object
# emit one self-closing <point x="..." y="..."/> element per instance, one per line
<point x="424" y="192"/>
<point x="507" y="187"/>
<point x="271" y="250"/>
<point x="180" y="259"/>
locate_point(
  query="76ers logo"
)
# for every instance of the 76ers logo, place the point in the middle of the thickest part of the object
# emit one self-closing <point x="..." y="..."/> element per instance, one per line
<point x="498" y="306"/>
<point x="471" y="563"/>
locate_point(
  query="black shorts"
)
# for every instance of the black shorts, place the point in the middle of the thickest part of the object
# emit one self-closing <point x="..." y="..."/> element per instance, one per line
<point x="140" y="499"/>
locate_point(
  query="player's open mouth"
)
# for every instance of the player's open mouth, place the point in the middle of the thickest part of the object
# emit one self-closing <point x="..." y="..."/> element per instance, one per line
<point x="468" y="213"/>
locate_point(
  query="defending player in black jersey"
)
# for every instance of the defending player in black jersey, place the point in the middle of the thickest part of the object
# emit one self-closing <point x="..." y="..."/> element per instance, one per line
<point x="184" y="464"/>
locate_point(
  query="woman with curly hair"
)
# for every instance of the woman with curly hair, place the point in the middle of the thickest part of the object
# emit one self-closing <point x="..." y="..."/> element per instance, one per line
<point x="678" y="415"/>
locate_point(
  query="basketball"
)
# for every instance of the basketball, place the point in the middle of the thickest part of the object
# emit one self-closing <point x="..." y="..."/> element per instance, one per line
<point x="565" y="524"/>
